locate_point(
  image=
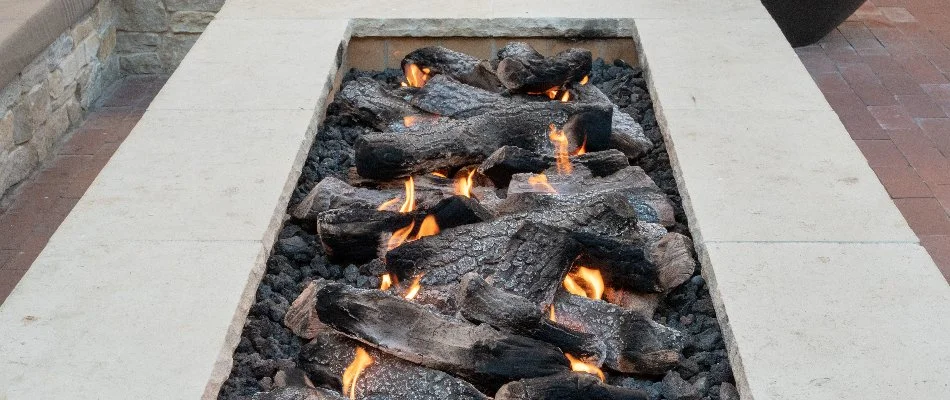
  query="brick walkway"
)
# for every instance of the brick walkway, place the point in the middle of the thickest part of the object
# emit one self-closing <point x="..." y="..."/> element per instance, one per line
<point x="32" y="212"/>
<point x="885" y="72"/>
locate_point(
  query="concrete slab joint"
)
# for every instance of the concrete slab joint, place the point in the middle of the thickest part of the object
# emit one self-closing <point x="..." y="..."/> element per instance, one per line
<point x="816" y="276"/>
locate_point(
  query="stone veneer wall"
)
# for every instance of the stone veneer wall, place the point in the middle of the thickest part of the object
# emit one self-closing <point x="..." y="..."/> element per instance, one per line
<point x="52" y="94"/>
<point x="154" y="35"/>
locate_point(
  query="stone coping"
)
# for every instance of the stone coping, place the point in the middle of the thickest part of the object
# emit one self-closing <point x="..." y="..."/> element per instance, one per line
<point x="820" y="286"/>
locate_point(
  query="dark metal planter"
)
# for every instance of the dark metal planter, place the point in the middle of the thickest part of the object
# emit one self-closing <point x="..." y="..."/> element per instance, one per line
<point x="806" y="21"/>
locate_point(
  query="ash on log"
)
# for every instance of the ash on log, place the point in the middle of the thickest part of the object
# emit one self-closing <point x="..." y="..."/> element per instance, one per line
<point x="368" y="101"/>
<point x="413" y="332"/>
<point x="480" y="302"/>
<point x="522" y="69"/>
<point x="524" y="258"/>
<point x="301" y="317"/>
<point x="459" y="143"/>
<point x="627" y="135"/>
<point x="510" y="160"/>
<point x="327" y="356"/>
<point x="295" y="385"/>
<point x="567" y="386"/>
<point x="461" y="66"/>
<point x="332" y="193"/>
<point x="448" y="97"/>
<point x="635" y="344"/>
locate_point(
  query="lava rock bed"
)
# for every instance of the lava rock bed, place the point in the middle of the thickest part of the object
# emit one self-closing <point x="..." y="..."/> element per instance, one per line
<point x="267" y="346"/>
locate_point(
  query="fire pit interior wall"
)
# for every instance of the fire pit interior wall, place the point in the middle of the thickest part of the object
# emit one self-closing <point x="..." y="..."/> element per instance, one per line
<point x="545" y="263"/>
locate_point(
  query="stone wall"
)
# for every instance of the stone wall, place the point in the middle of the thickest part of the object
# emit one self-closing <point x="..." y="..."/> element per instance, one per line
<point x="154" y="35"/>
<point x="52" y="94"/>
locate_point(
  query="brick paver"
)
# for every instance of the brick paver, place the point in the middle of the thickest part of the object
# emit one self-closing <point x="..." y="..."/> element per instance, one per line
<point x="886" y="72"/>
<point x="30" y="213"/>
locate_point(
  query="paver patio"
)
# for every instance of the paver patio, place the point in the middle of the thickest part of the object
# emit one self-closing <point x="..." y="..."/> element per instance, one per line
<point x="885" y="72"/>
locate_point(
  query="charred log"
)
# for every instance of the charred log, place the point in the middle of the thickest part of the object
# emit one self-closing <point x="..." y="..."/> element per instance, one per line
<point x="445" y="96"/>
<point x="627" y="135"/>
<point x="635" y="344"/>
<point x="354" y="233"/>
<point x="368" y="101"/>
<point x="641" y="303"/>
<point x="461" y="66"/>
<point x="332" y="193"/>
<point x="522" y="69"/>
<point x="301" y="317"/>
<point x="510" y="160"/>
<point x="470" y="141"/>
<point x="329" y="353"/>
<point x="480" y="302"/>
<point x="476" y="353"/>
<point x="567" y="386"/>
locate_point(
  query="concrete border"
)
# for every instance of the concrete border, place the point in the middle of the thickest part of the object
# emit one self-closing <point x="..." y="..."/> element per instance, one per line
<point x="820" y="286"/>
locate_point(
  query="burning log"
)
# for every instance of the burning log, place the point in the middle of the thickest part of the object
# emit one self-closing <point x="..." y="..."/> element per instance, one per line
<point x="332" y="193"/>
<point x="477" y="353"/>
<point x="445" y="96"/>
<point x="422" y="64"/>
<point x="641" y="303"/>
<point x="566" y="386"/>
<point x="295" y="385"/>
<point x="635" y="344"/>
<point x="470" y="141"/>
<point x="301" y="317"/>
<point x="368" y="101"/>
<point x="510" y="160"/>
<point x="523" y="70"/>
<point x="578" y="188"/>
<point x="524" y="258"/>
<point x="480" y="302"/>
<point x="328" y="355"/>
<point x="627" y="135"/>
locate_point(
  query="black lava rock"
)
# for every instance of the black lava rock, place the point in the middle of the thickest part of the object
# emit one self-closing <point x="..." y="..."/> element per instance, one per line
<point x="675" y="388"/>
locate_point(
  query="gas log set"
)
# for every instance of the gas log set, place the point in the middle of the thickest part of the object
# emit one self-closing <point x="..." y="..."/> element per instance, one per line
<point x="513" y="248"/>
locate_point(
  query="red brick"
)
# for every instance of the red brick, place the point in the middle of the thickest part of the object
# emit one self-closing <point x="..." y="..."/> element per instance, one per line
<point x="938" y="130"/>
<point x="855" y="116"/>
<point x="881" y="153"/>
<point x="897" y="14"/>
<point x="902" y="181"/>
<point x="861" y="38"/>
<point x="892" y="117"/>
<point x="920" y="106"/>
<point x="939" y="249"/>
<point x="921" y="69"/>
<point x="831" y="82"/>
<point x="894" y="41"/>
<point x="8" y="280"/>
<point x="84" y="142"/>
<point x="866" y="85"/>
<point x="942" y="194"/>
<point x="923" y="155"/>
<point x="901" y="83"/>
<point x="925" y="215"/>
<point x="939" y="92"/>
<point x="817" y="63"/>
<point x="883" y="65"/>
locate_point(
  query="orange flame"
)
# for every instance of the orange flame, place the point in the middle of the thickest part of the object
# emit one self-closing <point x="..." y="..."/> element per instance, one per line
<point x="409" y="120"/>
<point x="439" y="174"/>
<point x="551" y="93"/>
<point x="559" y="139"/>
<point x="360" y="361"/>
<point x="540" y="183"/>
<point x="585" y="79"/>
<point x="463" y="185"/>
<point x="582" y="149"/>
<point x="416" y="77"/>
<point x="428" y="227"/>
<point x="410" y="203"/>
<point x="386" y="281"/>
<point x="565" y="97"/>
<point x="580" y="366"/>
<point x="388" y="204"/>
<point x="586" y="282"/>
<point x="400" y="236"/>
<point x="552" y="316"/>
<point x="414" y="288"/>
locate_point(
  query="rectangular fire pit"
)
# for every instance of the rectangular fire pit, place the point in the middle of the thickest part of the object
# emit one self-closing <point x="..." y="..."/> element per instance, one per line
<point x="819" y="285"/>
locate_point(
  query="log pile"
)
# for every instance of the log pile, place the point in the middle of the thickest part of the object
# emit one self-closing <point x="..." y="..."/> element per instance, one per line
<point x="479" y="221"/>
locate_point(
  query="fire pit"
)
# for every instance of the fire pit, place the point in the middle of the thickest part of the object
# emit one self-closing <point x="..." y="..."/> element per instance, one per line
<point x="469" y="228"/>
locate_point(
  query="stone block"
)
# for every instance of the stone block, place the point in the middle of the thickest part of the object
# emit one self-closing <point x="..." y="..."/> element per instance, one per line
<point x="194" y="5"/>
<point x="142" y="15"/>
<point x="22" y="126"/>
<point x="85" y="27"/>
<point x="90" y="47"/>
<point x="6" y="131"/>
<point x="190" y="21"/>
<point x="74" y="111"/>
<point x="107" y="14"/>
<point x="58" y="51"/>
<point x="107" y="45"/>
<point x="16" y="166"/>
<point x="37" y="103"/>
<point x="58" y="84"/>
<point x="136" y="42"/>
<point x="10" y="94"/>
<point x="35" y="73"/>
<point x="72" y="64"/>
<point x="832" y="321"/>
<point x="141" y="63"/>
<point x="44" y="138"/>
<point x="173" y="49"/>
<point x="58" y="122"/>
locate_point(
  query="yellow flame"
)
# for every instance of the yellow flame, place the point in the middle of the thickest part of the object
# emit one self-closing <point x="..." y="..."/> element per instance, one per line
<point x="409" y="120"/>
<point x="540" y="183"/>
<point x="580" y="366"/>
<point x="399" y="236"/>
<point x="439" y="174"/>
<point x="566" y="97"/>
<point x="463" y="185"/>
<point x="388" y="204"/>
<point x="352" y="373"/>
<point x="582" y="149"/>
<point x="587" y="282"/>
<point x="386" y="281"/>
<point x="428" y="227"/>
<point x="552" y="93"/>
<point x="585" y="79"/>
<point x="552" y="316"/>
<point x="416" y="77"/>
<point x="559" y="139"/>
<point x="414" y="288"/>
<point x="410" y="203"/>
